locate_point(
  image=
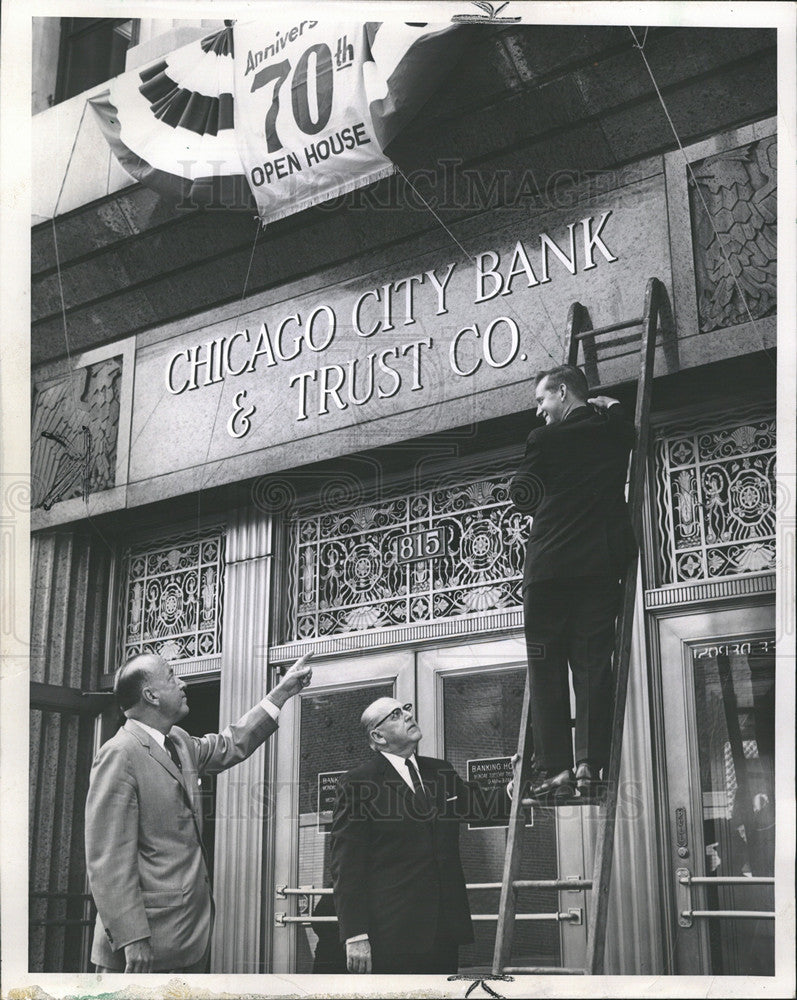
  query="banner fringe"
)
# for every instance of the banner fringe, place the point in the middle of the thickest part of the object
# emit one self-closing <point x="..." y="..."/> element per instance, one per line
<point x="351" y="185"/>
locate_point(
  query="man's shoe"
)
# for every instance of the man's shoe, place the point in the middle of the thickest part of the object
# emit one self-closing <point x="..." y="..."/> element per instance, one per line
<point x="553" y="784"/>
<point x="587" y="778"/>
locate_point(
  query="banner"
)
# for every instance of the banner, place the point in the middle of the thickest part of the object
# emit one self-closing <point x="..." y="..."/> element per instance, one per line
<point x="171" y="124"/>
<point x="303" y="122"/>
<point x="281" y="116"/>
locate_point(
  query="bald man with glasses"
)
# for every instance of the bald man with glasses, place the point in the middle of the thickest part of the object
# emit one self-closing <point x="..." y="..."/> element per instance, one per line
<point x="399" y="888"/>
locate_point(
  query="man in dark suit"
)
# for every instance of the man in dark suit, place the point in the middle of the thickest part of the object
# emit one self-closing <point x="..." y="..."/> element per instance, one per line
<point x="398" y="883"/>
<point x="146" y="862"/>
<point x="572" y="480"/>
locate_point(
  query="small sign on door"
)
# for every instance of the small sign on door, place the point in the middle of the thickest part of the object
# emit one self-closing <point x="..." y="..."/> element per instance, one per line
<point x="327" y="789"/>
<point x="493" y="774"/>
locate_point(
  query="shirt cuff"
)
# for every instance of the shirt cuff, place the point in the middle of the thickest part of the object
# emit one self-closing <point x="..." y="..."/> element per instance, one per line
<point x="268" y="705"/>
<point x="357" y="937"/>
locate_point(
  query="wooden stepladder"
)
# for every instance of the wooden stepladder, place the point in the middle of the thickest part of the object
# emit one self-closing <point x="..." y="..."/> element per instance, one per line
<point x="598" y="344"/>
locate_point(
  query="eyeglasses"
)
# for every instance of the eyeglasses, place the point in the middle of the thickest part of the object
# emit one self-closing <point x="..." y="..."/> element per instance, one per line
<point x="395" y="715"/>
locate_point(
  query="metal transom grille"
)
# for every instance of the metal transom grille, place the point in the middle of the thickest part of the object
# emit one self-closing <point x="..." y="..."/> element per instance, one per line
<point x="173" y="598"/>
<point x="715" y="500"/>
<point x="347" y="571"/>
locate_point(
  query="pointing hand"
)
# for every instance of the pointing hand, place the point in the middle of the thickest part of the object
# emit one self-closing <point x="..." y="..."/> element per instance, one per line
<point x="293" y="680"/>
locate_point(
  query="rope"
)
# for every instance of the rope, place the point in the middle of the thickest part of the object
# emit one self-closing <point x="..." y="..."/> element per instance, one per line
<point x="641" y="49"/>
<point x="73" y="381"/>
<point x="55" y="234"/>
<point x="221" y="389"/>
<point x="472" y="259"/>
<point x="476" y="981"/>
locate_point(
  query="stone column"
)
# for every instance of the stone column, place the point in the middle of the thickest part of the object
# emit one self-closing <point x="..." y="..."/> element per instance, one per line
<point x="239" y="793"/>
<point x="70" y="576"/>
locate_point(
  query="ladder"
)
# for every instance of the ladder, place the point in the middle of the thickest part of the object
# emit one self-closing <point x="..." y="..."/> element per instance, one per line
<point x="656" y="317"/>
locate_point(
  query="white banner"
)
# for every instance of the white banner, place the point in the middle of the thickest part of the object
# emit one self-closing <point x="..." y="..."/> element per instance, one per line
<point x="289" y="114"/>
<point x="302" y="115"/>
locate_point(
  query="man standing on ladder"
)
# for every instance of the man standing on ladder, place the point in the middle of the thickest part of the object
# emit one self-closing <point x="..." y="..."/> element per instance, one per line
<point x="572" y="480"/>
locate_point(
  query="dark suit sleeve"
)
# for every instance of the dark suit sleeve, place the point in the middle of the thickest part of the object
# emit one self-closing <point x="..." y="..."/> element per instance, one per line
<point x="350" y="852"/>
<point x="526" y="490"/>
<point x="621" y="425"/>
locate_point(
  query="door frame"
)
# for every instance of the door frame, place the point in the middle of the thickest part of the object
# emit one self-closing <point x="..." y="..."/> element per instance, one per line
<point x="501" y="655"/>
<point x="456" y="660"/>
<point x="677" y="632"/>
<point x="361" y="671"/>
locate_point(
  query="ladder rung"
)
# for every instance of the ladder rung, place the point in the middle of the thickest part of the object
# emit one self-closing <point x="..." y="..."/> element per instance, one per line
<point x="559" y="917"/>
<point x="633" y="338"/>
<point x="542" y="970"/>
<point x="552" y="883"/>
<point x="539" y="883"/>
<point x="599" y="330"/>
<point x="557" y="801"/>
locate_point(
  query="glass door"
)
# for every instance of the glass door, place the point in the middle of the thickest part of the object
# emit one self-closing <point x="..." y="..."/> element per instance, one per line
<point x="718" y="681"/>
<point x="469" y="703"/>
<point x="319" y="738"/>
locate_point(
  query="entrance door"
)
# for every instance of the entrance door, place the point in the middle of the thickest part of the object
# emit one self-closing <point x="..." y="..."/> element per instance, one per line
<point x="320" y="738"/>
<point x="718" y="682"/>
<point x="468" y="701"/>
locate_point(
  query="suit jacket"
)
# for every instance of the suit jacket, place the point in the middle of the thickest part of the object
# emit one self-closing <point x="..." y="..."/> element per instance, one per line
<point x="396" y="873"/>
<point x="146" y="862"/>
<point x="572" y="479"/>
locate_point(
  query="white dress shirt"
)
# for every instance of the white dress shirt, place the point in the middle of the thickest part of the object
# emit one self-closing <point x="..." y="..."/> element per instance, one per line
<point x="400" y="764"/>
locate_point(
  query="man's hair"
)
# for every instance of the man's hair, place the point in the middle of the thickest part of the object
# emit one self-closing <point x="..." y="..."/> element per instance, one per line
<point x="572" y="377"/>
<point x="130" y="678"/>
<point x="367" y="720"/>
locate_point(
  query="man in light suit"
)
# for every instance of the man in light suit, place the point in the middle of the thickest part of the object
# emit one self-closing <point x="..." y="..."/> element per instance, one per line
<point x="399" y="889"/>
<point x="572" y="480"/>
<point x="146" y="862"/>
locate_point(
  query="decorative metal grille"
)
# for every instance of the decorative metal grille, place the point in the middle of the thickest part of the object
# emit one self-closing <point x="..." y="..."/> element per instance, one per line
<point x="715" y="500"/>
<point x="173" y="598"/>
<point x="346" y="575"/>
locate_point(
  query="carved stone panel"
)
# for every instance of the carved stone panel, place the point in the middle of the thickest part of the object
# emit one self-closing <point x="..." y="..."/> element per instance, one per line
<point x="733" y="206"/>
<point x="74" y="433"/>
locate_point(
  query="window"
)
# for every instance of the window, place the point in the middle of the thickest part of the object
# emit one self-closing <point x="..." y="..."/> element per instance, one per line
<point x="173" y="593"/>
<point x="92" y="50"/>
<point x="715" y="499"/>
<point x="347" y="574"/>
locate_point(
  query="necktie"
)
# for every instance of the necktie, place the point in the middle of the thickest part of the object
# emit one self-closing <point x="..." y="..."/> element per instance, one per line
<point x="171" y="749"/>
<point x="420" y="794"/>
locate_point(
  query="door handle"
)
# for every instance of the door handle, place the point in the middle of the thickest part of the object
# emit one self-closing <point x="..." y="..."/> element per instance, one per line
<point x="683" y="896"/>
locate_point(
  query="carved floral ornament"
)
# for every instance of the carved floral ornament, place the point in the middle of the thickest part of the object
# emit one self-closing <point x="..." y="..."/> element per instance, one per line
<point x="715" y="502"/>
